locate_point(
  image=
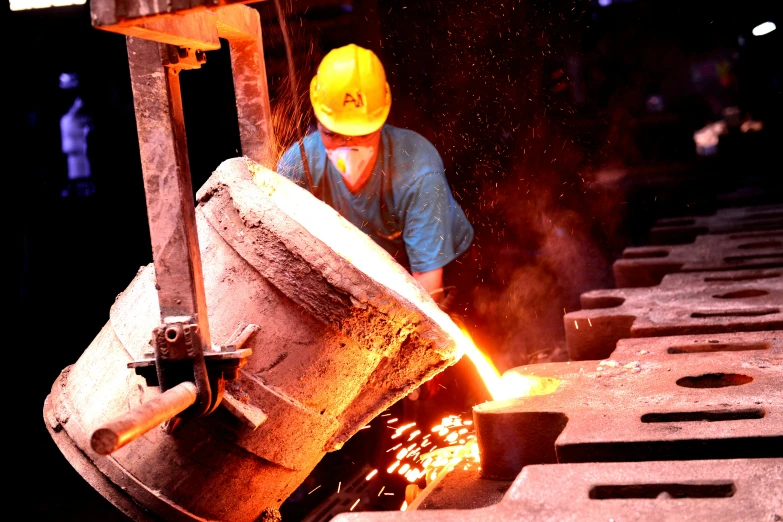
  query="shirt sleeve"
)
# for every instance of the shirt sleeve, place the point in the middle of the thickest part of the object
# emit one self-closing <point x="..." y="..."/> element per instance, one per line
<point x="427" y="227"/>
<point x="290" y="165"/>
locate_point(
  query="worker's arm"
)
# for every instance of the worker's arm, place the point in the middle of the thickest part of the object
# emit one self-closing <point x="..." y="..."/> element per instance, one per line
<point x="431" y="280"/>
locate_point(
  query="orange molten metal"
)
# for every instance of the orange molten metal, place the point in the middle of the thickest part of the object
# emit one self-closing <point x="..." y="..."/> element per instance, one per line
<point x="511" y="384"/>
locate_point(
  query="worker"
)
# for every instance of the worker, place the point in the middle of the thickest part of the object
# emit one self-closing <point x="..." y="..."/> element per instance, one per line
<point x="388" y="181"/>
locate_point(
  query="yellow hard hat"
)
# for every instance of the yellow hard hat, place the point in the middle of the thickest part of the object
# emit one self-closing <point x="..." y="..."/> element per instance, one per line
<point x="349" y="93"/>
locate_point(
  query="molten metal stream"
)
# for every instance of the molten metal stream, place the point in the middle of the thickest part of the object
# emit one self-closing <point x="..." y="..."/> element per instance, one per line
<point x="489" y="374"/>
<point x="510" y="385"/>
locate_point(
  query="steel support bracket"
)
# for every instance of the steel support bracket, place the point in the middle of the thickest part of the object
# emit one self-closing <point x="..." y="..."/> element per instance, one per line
<point x="178" y="358"/>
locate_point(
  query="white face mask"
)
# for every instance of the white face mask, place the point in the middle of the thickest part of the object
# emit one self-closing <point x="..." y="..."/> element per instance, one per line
<point x="351" y="162"/>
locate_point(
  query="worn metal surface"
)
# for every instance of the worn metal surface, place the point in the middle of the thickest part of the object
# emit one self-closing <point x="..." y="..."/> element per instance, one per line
<point x="120" y="15"/>
<point x="241" y="27"/>
<point x="200" y="29"/>
<point x="646" y="266"/>
<point x="460" y="489"/>
<point x="664" y="398"/>
<point x="160" y="124"/>
<point x="339" y="342"/>
<point x="155" y="68"/>
<point x="134" y="423"/>
<point x="742" y="220"/>
<point x="684" y="303"/>
<point x="716" y="490"/>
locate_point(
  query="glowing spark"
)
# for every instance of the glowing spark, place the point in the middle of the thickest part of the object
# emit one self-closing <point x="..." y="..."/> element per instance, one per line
<point x="354" y="504"/>
<point x="414" y="434"/>
<point x="318" y="486"/>
<point x="365" y="427"/>
<point x="405" y="467"/>
<point x="381" y="491"/>
<point x="765" y="28"/>
<point x="576" y="324"/>
<point x="399" y="431"/>
<point x="394" y="448"/>
<point x="388" y="494"/>
<point x="371" y="474"/>
<point x="338" y="486"/>
<point x="391" y="468"/>
<point x="588" y="322"/>
<point x="395" y="419"/>
<point x="404" y="505"/>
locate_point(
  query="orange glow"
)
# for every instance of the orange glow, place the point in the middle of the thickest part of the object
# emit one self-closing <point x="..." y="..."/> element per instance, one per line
<point x="509" y="386"/>
<point x="461" y="447"/>
<point x="453" y="441"/>
<point x="487" y="371"/>
<point x="399" y="431"/>
<point x="361" y="250"/>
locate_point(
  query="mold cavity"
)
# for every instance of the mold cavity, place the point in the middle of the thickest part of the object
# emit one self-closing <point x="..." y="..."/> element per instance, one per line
<point x="740" y="294"/>
<point x="717" y="347"/>
<point x="644" y="255"/>
<point x="753" y="257"/>
<point x="735" y="313"/>
<point x="520" y="385"/>
<point x="672" y="490"/>
<point x="676" y="223"/>
<point x="760" y="244"/>
<point x="709" y="416"/>
<point x="606" y="301"/>
<point x="741" y="277"/>
<point x="714" y="380"/>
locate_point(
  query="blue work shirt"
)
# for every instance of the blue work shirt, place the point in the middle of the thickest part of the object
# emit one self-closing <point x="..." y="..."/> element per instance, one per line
<point x="406" y="205"/>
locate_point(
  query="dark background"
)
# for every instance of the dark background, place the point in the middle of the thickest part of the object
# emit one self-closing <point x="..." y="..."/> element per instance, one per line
<point x="541" y="110"/>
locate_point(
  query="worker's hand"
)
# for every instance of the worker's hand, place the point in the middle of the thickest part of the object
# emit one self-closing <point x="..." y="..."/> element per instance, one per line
<point x="444" y="297"/>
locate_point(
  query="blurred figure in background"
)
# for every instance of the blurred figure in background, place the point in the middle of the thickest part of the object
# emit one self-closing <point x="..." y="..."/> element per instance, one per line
<point x="75" y="127"/>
